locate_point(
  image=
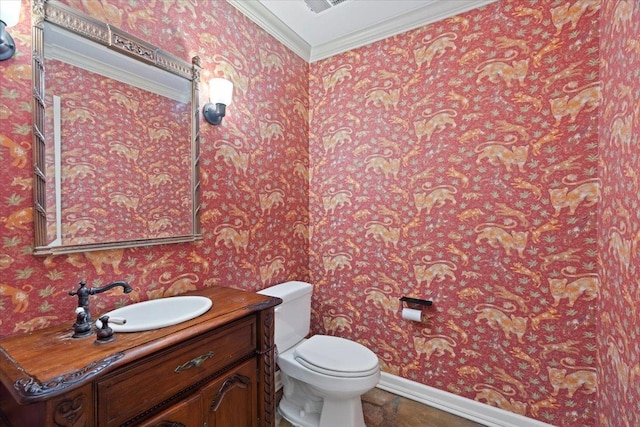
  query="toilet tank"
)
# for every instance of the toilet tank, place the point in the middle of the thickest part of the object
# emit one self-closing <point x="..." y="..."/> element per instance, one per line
<point x="293" y="316"/>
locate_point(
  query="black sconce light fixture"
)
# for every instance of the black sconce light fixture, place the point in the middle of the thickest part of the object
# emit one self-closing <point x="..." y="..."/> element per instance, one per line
<point x="9" y="16"/>
<point x="220" y="96"/>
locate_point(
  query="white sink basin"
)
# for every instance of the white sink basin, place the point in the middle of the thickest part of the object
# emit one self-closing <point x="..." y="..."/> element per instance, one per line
<point x="157" y="313"/>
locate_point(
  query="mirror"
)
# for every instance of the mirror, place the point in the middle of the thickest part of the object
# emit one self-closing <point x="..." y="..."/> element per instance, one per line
<point x="116" y="137"/>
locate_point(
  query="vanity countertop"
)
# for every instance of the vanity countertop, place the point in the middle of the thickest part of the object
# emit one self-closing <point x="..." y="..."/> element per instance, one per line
<point x="41" y="364"/>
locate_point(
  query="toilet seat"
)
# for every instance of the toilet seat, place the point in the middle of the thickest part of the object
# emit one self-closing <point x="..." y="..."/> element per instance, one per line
<point x="337" y="357"/>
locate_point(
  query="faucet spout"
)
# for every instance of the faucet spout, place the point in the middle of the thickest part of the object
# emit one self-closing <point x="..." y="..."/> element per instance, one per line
<point x="126" y="288"/>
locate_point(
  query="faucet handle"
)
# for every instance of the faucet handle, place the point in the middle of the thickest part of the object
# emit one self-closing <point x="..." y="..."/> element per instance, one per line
<point x="82" y="327"/>
<point x="104" y="334"/>
<point x="117" y="320"/>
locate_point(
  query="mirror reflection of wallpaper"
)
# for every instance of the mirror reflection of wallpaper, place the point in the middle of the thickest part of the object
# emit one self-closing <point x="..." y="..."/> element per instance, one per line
<point x="125" y="159"/>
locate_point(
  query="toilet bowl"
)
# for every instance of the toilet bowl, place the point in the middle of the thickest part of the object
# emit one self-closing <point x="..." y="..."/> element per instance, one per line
<point x="323" y="376"/>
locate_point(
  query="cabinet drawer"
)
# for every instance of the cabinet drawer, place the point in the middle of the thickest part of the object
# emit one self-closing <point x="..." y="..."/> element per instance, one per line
<point x="186" y="413"/>
<point x="142" y="385"/>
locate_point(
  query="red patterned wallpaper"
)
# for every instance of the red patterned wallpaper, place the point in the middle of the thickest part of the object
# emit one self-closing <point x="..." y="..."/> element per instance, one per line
<point x="254" y="181"/>
<point x="459" y="162"/>
<point x="619" y="222"/>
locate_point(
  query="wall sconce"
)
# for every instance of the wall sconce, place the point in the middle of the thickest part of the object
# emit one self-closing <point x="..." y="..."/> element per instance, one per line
<point x="9" y="16"/>
<point x="220" y="96"/>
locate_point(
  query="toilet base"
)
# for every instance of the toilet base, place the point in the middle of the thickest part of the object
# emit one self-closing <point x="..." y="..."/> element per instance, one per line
<point x="342" y="412"/>
<point x="293" y="414"/>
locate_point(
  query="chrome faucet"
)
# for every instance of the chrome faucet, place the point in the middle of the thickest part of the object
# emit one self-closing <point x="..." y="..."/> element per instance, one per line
<point x="82" y="327"/>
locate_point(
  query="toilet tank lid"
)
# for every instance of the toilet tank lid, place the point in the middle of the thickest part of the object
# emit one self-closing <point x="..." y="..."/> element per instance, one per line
<point x="288" y="290"/>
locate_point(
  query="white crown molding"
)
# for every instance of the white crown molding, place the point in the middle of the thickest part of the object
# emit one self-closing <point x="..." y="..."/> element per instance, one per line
<point x="436" y="11"/>
<point x="259" y="14"/>
<point x="263" y="17"/>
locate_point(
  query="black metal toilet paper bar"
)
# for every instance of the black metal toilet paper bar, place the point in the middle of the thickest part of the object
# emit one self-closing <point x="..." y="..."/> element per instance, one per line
<point x="417" y="301"/>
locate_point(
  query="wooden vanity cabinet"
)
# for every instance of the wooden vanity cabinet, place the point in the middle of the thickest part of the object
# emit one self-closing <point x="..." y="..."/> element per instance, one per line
<point x="215" y="370"/>
<point x="158" y="378"/>
<point x="219" y="404"/>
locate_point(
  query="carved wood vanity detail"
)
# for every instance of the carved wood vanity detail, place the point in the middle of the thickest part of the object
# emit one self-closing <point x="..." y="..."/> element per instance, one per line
<point x="214" y="370"/>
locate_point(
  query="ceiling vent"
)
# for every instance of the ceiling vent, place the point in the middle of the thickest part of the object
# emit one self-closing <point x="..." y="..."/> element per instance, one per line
<point x="318" y="6"/>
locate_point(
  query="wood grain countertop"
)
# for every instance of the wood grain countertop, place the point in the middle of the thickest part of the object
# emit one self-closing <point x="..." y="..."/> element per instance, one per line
<point x="44" y="363"/>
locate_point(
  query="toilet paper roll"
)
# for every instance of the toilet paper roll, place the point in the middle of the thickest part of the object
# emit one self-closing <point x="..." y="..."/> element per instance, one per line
<point x="412" y="314"/>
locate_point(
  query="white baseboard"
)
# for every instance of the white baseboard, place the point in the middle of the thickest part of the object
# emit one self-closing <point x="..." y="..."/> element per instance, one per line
<point x="463" y="407"/>
<point x="470" y="409"/>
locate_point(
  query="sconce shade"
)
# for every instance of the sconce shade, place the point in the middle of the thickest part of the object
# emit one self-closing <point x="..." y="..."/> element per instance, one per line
<point x="220" y="96"/>
<point x="220" y="91"/>
<point x="10" y="12"/>
<point x="9" y="16"/>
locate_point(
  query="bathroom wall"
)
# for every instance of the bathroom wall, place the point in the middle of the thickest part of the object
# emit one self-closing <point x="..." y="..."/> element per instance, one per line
<point x="459" y="162"/>
<point x="619" y="219"/>
<point x="495" y="150"/>
<point x="254" y="171"/>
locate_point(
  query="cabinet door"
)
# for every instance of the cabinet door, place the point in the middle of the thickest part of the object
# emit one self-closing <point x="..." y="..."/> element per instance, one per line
<point x="183" y="414"/>
<point x="231" y="400"/>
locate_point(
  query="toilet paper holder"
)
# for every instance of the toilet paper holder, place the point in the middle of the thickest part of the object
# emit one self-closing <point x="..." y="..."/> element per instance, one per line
<point x="417" y="301"/>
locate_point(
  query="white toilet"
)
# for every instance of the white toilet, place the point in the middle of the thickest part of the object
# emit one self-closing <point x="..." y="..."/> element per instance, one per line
<point x="323" y="376"/>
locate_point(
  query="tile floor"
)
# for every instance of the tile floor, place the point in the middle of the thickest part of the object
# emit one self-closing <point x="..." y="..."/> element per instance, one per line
<point x="384" y="409"/>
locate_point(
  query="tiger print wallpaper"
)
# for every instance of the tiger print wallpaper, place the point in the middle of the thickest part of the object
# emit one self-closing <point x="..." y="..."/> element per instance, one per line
<point x="487" y="162"/>
<point x="460" y="162"/>
<point x="618" y="335"/>
<point x="254" y="188"/>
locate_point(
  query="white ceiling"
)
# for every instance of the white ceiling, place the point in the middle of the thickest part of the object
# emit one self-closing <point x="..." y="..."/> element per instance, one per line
<point x="348" y="25"/>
